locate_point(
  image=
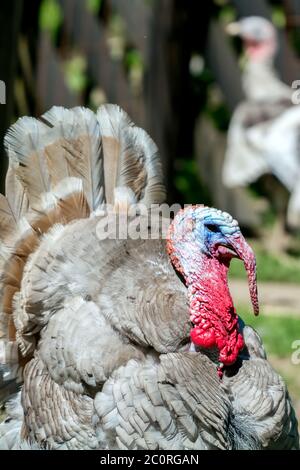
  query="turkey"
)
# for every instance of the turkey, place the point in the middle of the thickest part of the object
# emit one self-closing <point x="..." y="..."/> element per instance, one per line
<point x="263" y="136"/>
<point x="123" y="342"/>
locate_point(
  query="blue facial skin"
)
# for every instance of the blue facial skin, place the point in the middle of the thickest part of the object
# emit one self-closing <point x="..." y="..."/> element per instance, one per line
<point x="213" y="234"/>
<point x="213" y="231"/>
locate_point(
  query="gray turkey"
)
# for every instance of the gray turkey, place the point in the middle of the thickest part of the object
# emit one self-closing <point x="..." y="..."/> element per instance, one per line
<point x="264" y="135"/>
<point x="123" y="343"/>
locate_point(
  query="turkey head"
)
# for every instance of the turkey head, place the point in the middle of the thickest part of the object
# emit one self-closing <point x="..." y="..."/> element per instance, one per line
<point x="258" y="35"/>
<point x="201" y="243"/>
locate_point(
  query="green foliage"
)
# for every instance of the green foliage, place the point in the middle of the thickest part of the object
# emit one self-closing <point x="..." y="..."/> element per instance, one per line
<point x="50" y="17"/>
<point x="75" y="73"/>
<point x="94" y="6"/>
<point x="278" y="16"/>
<point x="215" y="108"/>
<point x="117" y="25"/>
<point x="268" y="217"/>
<point x="188" y="183"/>
<point x="133" y="59"/>
<point x="277" y="332"/>
<point x="227" y="14"/>
<point x="116" y="36"/>
<point x="269" y="268"/>
<point x="220" y="116"/>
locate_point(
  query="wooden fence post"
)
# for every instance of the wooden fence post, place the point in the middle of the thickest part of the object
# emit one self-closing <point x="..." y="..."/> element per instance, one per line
<point x="9" y="28"/>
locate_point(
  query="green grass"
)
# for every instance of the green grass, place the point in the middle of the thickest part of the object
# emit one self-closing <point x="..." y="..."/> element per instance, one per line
<point x="277" y="332"/>
<point x="269" y="268"/>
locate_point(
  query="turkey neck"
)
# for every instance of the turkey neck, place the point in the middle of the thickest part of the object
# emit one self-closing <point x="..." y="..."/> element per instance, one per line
<point x="211" y="308"/>
<point x="260" y="82"/>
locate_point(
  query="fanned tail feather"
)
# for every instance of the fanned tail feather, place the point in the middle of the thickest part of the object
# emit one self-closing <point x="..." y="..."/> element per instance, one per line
<point x="132" y="167"/>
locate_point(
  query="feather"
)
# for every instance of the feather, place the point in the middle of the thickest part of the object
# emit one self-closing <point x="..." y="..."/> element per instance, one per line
<point x="7" y="218"/>
<point x="24" y="144"/>
<point x="77" y="150"/>
<point x="66" y="203"/>
<point x="63" y="143"/>
<point x="141" y="167"/>
<point x="15" y="194"/>
<point x="131" y="158"/>
<point x="112" y="120"/>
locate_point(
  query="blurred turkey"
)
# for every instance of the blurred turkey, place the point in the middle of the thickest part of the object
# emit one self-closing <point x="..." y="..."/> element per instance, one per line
<point x="263" y="137"/>
<point x="123" y="343"/>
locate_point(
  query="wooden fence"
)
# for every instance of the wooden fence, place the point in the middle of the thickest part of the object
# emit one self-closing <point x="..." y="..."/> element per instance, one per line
<point x="164" y="33"/>
<point x="146" y="31"/>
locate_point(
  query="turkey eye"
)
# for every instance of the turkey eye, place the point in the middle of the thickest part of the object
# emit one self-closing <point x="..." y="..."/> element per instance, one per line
<point x="212" y="228"/>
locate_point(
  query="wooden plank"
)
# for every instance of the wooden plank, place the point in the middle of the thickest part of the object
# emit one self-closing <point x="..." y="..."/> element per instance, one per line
<point x="292" y="8"/>
<point x="252" y="7"/>
<point x="89" y="36"/>
<point x="10" y="19"/>
<point x="51" y="86"/>
<point x="169" y="95"/>
<point x="223" y="63"/>
<point x="161" y="122"/>
<point x="292" y="11"/>
<point x="137" y="15"/>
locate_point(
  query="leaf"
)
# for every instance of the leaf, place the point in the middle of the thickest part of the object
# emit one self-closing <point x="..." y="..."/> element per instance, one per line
<point x="94" y="6"/>
<point x="50" y="16"/>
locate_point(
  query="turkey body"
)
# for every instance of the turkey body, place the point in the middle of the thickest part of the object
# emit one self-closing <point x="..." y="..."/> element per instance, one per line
<point x="100" y="328"/>
<point x="114" y="357"/>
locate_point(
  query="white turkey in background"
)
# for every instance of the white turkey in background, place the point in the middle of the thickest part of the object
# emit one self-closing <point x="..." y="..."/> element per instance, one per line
<point x="264" y="135"/>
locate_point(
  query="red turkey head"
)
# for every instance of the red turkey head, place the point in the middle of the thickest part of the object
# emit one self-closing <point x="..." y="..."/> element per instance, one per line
<point x="201" y="243"/>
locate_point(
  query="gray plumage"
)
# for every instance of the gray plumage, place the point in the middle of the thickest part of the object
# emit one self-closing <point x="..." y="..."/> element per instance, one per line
<point x="102" y="328"/>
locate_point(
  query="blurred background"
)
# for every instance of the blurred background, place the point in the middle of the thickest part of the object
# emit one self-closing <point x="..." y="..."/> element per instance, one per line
<point x="173" y="68"/>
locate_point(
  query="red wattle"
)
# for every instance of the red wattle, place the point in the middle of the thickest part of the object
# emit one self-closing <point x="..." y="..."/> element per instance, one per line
<point x="203" y="338"/>
<point x="213" y="314"/>
<point x="211" y="308"/>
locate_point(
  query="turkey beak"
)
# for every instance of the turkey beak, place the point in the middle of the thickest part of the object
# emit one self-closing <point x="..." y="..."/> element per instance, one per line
<point x="233" y="29"/>
<point x="246" y="254"/>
